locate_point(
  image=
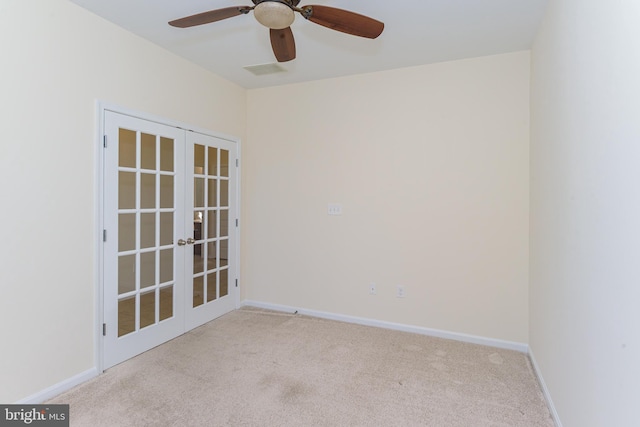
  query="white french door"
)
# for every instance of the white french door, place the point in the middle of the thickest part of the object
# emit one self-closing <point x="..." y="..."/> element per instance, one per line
<point x="169" y="242"/>
<point x="211" y="220"/>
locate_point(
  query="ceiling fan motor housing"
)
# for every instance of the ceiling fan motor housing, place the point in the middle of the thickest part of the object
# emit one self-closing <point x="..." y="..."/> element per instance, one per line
<point x="290" y="3"/>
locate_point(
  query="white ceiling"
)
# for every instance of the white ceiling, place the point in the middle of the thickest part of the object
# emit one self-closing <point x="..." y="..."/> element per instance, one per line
<point x="416" y="32"/>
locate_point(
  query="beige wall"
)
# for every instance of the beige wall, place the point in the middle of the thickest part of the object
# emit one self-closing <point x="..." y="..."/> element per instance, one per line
<point x="585" y="210"/>
<point x="57" y="60"/>
<point x="431" y="166"/>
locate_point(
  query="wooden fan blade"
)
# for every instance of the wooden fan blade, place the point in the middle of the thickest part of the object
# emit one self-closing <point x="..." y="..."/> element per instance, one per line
<point x="283" y="44"/>
<point x="208" y="17"/>
<point x="343" y="20"/>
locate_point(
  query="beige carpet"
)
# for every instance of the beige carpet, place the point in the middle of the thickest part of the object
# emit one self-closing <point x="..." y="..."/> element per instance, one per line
<point x="259" y="368"/>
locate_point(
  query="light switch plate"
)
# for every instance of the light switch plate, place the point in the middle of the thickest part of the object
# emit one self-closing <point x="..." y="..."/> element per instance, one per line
<point x="334" y="209"/>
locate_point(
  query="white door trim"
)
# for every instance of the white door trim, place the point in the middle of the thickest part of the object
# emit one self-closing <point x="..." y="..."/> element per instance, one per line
<point x="101" y="108"/>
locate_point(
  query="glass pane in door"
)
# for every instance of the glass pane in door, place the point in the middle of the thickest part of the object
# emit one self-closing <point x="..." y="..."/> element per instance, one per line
<point x="224" y="253"/>
<point x="148" y="230"/>
<point x="198" y="159"/>
<point x="212" y="291"/>
<point x="167" y="185"/>
<point x="224" y="193"/>
<point x="147" y="269"/>
<point x="224" y="282"/>
<point x="166" y="303"/>
<point x="126" y="232"/>
<point x="147" y="191"/>
<point x="198" y="291"/>
<point x="127" y="148"/>
<point x="212" y="224"/>
<point x="126" y="315"/>
<point x="126" y="190"/>
<point x="224" y="163"/>
<point x="212" y="161"/>
<point x="148" y="151"/>
<point x="166" y="154"/>
<point x="147" y="309"/>
<point x="126" y="274"/>
<point x="166" y="266"/>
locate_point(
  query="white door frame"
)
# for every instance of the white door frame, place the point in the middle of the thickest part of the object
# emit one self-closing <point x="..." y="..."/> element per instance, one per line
<point x="101" y="108"/>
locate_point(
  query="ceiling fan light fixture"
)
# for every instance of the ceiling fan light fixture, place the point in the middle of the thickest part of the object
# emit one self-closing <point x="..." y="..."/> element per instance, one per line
<point x="274" y="15"/>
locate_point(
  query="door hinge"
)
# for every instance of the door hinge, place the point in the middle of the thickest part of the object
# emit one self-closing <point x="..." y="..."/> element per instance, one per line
<point x="104" y="141"/>
<point x="236" y="222"/>
<point x="237" y="162"/>
<point x="104" y="235"/>
<point x="236" y="283"/>
<point x="104" y="329"/>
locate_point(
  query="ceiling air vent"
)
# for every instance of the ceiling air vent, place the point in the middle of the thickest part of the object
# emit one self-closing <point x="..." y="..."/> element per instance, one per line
<point x="263" y="69"/>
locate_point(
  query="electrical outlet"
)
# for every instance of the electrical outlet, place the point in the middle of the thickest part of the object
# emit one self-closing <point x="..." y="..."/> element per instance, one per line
<point x="400" y="291"/>
<point x="372" y="289"/>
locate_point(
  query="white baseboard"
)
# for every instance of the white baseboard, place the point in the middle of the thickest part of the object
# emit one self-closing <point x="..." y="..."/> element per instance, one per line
<point x="545" y="390"/>
<point x="59" y="388"/>
<point x="508" y="345"/>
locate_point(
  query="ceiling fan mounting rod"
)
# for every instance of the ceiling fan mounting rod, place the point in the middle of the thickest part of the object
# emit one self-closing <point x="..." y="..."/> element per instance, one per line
<point x="290" y="3"/>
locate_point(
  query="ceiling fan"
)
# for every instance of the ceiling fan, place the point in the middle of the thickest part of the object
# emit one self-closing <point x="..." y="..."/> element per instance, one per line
<point x="278" y="15"/>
